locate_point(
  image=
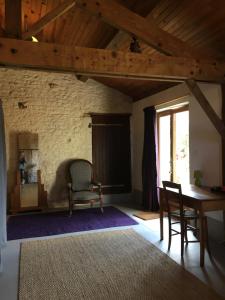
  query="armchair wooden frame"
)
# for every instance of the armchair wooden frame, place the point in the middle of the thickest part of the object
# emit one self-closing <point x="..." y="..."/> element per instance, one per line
<point x="93" y="185"/>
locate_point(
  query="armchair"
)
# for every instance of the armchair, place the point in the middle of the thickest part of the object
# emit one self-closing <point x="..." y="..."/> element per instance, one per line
<point x="81" y="187"/>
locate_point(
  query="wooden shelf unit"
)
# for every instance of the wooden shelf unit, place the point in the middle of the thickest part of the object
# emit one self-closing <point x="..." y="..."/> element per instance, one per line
<point x="28" y="193"/>
<point x="16" y="195"/>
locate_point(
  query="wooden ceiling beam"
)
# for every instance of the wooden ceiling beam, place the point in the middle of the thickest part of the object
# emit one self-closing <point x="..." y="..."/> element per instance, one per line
<point x="204" y="103"/>
<point x="61" y="9"/>
<point x="99" y="62"/>
<point x="13" y="18"/>
<point x="122" y="38"/>
<point x="145" y="29"/>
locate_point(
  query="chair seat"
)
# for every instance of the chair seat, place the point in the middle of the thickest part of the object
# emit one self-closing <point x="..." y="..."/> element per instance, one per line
<point x="188" y="214"/>
<point x="84" y="196"/>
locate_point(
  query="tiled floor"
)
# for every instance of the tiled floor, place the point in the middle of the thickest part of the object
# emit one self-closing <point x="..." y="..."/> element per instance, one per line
<point x="213" y="274"/>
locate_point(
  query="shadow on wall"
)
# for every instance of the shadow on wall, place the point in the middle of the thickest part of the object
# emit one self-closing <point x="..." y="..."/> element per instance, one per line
<point x="59" y="191"/>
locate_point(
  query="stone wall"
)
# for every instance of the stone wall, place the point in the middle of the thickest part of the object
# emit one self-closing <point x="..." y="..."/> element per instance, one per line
<point x="56" y="107"/>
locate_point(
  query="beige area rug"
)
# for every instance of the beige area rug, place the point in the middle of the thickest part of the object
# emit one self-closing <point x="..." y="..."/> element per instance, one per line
<point x="105" y="265"/>
<point x="147" y="215"/>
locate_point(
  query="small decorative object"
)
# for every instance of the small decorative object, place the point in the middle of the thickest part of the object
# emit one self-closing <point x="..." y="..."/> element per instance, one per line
<point x="198" y="176"/>
<point x="134" y="45"/>
<point x="22" y="166"/>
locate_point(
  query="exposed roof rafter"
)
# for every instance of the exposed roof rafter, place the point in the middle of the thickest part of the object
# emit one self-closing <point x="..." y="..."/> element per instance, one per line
<point x="126" y="20"/>
<point x="200" y="97"/>
<point x="48" y="18"/>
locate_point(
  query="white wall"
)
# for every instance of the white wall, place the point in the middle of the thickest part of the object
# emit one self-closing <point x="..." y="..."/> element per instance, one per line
<point x="205" y="142"/>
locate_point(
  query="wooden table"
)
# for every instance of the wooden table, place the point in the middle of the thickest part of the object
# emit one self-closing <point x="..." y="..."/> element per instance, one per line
<point x="201" y="199"/>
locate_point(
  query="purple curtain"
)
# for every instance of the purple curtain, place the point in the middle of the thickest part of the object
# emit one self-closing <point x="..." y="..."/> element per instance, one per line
<point x="149" y="161"/>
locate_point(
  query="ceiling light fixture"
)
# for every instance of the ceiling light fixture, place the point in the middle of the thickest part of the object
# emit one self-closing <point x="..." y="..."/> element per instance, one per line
<point x="134" y="45"/>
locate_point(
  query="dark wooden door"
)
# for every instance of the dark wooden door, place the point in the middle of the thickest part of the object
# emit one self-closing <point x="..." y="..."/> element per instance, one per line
<point x="111" y="152"/>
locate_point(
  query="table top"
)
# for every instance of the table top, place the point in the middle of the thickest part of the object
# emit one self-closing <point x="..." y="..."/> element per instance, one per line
<point x="200" y="193"/>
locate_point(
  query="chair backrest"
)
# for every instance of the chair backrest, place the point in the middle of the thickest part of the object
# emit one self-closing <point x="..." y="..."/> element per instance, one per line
<point x="81" y="174"/>
<point x="173" y="196"/>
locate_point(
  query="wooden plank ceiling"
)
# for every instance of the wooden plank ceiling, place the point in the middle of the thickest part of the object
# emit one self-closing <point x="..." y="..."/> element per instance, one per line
<point x="198" y="22"/>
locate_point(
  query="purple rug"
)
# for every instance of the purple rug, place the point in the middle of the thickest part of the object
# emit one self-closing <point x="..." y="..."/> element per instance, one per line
<point x="36" y="225"/>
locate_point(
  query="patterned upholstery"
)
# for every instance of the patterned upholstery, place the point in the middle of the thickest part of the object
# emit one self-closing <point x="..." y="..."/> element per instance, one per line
<point x="85" y="196"/>
<point x="81" y="175"/>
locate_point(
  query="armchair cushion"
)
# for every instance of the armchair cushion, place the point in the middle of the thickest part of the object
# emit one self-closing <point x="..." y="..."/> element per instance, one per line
<point x="81" y="175"/>
<point x="84" y="196"/>
<point x="82" y="188"/>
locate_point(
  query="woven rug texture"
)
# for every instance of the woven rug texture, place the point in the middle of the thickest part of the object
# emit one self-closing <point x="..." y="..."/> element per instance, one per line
<point x="117" y="264"/>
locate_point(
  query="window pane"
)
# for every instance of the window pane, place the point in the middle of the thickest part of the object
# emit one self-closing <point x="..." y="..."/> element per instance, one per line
<point x="164" y="146"/>
<point x="181" y="148"/>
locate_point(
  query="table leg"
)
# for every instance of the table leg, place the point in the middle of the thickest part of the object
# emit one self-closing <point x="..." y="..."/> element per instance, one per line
<point x="161" y="220"/>
<point x="202" y="237"/>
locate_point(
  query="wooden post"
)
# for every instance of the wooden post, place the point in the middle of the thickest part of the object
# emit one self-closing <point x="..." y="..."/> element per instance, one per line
<point x="200" y="97"/>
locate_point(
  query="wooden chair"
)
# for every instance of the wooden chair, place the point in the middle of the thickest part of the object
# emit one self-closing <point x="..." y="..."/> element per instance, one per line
<point x="181" y="214"/>
<point x="81" y="187"/>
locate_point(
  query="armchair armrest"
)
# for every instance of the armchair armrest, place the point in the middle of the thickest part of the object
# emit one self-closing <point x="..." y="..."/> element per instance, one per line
<point x="97" y="184"/>
<point x="69" y="186"/>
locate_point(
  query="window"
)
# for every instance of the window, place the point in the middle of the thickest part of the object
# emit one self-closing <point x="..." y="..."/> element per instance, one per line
<point x="111" y="152"/>
<point x="173" y="137"/>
